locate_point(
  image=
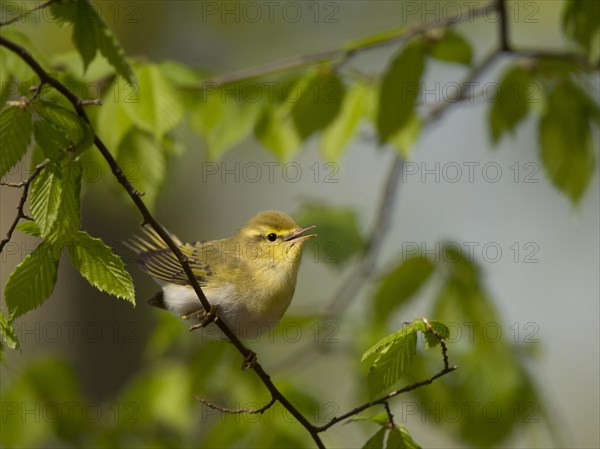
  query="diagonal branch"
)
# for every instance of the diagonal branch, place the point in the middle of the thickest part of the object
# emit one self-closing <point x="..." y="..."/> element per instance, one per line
<point x="20" y="213"/>
<point x="342" y="55"/>
<point x="148" y="218"/>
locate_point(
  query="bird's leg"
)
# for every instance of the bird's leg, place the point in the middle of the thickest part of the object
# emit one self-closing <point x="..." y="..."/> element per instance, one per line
<point x="249" y="360"/>
<point x="203" y="316"/>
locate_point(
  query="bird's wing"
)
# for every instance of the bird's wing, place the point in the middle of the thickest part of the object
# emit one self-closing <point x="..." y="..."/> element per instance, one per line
<point x="155" y="258"/>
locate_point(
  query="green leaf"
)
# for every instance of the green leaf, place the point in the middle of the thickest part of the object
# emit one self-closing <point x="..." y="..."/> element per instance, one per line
<point x="399" y="438"/>
<point x="33" y="280"/>
<point x="512" y="104"/>
<point x="400" y="89"/>
<point x="404" y="140"/>
<point x="55" y="199"/>
<point x="567" y="149"/>
<point x="30" y="227"/>
<point x="90" y="34"/>
<point x="156" y="108"/>
<point x="276" y="131"/>
<point x="376" y="441"/>
<point x="101" y="267"/>
<point x="338" y="234"/>
<point x="318" y="104"/>
<point x="15" y="75"/>
<point x="9" y="335"/>
<point x="45" y="198"/>
<point x="16" y="127"/>
<point x="65" y="227"/>
<point x="113" y="121"/>
<point x="452" y="47"/>
<point x="143" y="162"/>
<point x="392" y="357"/>
<point x="400" y="284"/>
<point x="580" y="22"/>
<point x="60" y="132"/>
<point x="223" y="121"/>
<point x="336" y="136"/>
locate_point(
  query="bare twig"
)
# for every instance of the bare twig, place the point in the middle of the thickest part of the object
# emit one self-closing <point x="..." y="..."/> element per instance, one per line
<point x="20" y="213"/>
<point x="238" y="411"/>
<point x="384" y="399"/>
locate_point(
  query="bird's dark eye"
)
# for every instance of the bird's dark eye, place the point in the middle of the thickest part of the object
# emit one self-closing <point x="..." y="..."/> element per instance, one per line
<point x="272" y="237"/>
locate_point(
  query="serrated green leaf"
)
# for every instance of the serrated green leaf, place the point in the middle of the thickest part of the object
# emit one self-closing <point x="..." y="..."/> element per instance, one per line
<point x="59" y="132"/>
<point x="400" y="89"/>
<point x="452" y="47"/>
<point x="376" y="441"/>
<point x="401" y="284"/>
<point x="399" y="438"/>
<point x="16" y="128"/>
<point x="223" y="121"/>
<point x="143" y="162"/>
<point x="336" y="136"/>
<point x="156" y="108"/>
<point x="30" y="227"/>
<point x="512" y="104"/>
<point x="338" y="236"/>
<point x="90" y="34"/>
<point x="100" y="266"/>
<point x="45" y="198"/>
<point x="276" y="131"/>
<point x="8" y="333"/>
<point x="390" y="357"/>
<point x="391" y="363"/>
<point x="374" y="351"/>
<point x="69" y="217"/>
<point x="567" y="150"/>
<point x="33" y="280"/>
<point x="580" y="21"/>
<point x="319" y="103"/>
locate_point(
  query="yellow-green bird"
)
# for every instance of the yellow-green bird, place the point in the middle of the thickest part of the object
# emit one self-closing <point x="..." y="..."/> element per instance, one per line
<point x="250" y="277"/>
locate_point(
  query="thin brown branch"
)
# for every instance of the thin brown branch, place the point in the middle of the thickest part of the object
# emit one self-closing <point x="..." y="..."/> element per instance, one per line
<point x="238" y="411"/>
<point x="20" y="213"/>
<point x="26" y="13"/>
<point x="45" y="77"/>
<point x="340" y="55"/>
<point x="384" y="399"/>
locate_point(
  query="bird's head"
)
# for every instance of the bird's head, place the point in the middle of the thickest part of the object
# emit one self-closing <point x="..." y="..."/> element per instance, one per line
<point x="272" y="236"/>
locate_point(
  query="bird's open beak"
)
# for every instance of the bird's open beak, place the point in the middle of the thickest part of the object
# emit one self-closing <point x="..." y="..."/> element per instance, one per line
<point x="297" y="236"/>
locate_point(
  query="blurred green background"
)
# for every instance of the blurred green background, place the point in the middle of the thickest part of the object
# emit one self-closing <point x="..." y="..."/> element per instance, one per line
<point x="123" y="356"/>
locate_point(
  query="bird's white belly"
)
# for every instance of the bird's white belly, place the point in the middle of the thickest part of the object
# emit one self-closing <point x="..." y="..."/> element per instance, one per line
<point x="246" y="324"/>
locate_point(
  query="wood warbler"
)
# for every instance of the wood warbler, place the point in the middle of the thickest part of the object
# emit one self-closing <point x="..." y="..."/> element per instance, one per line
<point x="249" y="277"/>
